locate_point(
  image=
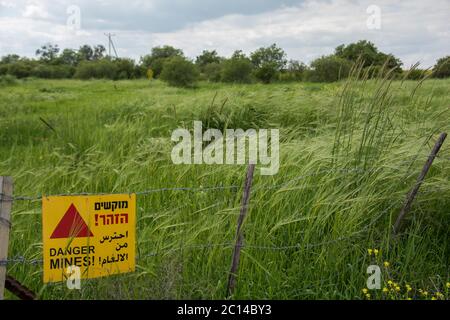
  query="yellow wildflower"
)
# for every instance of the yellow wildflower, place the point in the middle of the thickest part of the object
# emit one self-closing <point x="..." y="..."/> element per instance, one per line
<point x="408" y="288"/>
<point x="448" y="285"/>
<point x="433" y="298"/>
<point x="375" y="251"/>
<point x="397" y="288"/>
<point x="365" y="291"/>
<point x="370" y="251"/>
<point x="390" y="282"/>
<point x="385" y="290"/>
<point x="386" y="264"/>
<point x="368" y="295"/>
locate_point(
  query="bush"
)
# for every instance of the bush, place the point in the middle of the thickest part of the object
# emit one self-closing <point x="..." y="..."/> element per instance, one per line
<point x="125" y="68"/>
<point x="286" y="76"/>
<point x="266" y="73"/>
<point x="180" y="72"/>
<point x="8" y="80"/>
<point x="158" y="57"/>
<point x="157" y="66"/>
<point x="295" y="72"/>
<point x="102" y="69"/>
<point x="237" y="69"/>
<point x="19" y="69"/>
<point x="329" y="68"/>
<point x="212" y="71"/>
<point x="442" y="68"/>
<point x="53" y="71"/>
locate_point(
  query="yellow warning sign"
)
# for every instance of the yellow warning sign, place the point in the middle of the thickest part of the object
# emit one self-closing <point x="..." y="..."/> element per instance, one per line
<point x="95" y="233"/>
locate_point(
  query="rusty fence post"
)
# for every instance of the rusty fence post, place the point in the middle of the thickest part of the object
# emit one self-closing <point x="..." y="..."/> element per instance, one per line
<point x="239" y="235"/>
<point x="6" y="191"/>
<point x="413" y="193"/>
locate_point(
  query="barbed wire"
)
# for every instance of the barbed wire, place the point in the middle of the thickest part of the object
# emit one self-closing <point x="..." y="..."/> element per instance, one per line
<point x="144" y="192"/>
<point x="23" y="260"/>
<point x="20" y="260"/>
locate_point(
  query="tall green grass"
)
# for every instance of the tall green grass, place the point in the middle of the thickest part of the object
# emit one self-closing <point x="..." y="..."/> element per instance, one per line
<point x="350" y="151"/>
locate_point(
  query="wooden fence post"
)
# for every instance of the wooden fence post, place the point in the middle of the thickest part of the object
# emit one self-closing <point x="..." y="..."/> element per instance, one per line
<point x="412" y="194"/>
<point x="19" y="290"/>
<point x="6" y="191"/>
<point x="239" y="236"/>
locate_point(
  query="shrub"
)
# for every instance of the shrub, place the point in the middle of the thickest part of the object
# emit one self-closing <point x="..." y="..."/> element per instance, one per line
<point x="329" y="68"/>
<point x="266" y="73"/>
<point x="286" y="76"/>
<point x="20" y="69"/>
<point x="102" y="69"/>
<point x="206" y="58"/>
<point x="180" y="72"/>
<point x="157" y="66"/>
<point x="8" y="80"/>
<point x="53" y="71"/>
<point x="237" y="69"/>
<point x="158" y="57"/>
<point x="212" y="71"/>
<point x="296" y="70"/>
<point x="125" y="68"/>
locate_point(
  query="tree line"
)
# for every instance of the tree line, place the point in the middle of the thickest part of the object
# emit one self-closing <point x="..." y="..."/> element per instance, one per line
<point x="266" y="65"/>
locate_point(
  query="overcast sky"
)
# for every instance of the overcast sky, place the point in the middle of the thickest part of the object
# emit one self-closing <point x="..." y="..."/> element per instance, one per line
<point x="414" y="30"/>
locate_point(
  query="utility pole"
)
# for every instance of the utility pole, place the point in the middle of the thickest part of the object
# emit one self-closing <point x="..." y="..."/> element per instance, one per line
<point x="111" y="44"/>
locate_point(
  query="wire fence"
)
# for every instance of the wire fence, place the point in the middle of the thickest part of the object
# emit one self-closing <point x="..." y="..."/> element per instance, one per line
<point x="20" y="259"/>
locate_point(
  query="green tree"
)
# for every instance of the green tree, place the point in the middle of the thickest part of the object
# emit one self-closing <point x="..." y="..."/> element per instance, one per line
<point x="101" y="69"/>
<point x="88" y="53"/>
<point x="272" y="55"/>
<point x="10" y="58"/>
<point x="329" y="68"/>
<point x="48" y="53"/>
<point x="238" y="54"/>
<point x="212" y="71"/>
<point x="442" y="68"/>
<point x="21" y="68"/>
<point x="158" y="57"/>
<point x="180" y="72"/>
<point x="369" y="54"/>
<point x="85" y="53"/>
<point x="126" y="68"/>
<point x="98" y="52"/>
<point x="207" y="57"/>
<point x="295" y="71"/>
<point x="68" y="57"/>
<point x="237" y="69"/>
<point x="268" y="62"/>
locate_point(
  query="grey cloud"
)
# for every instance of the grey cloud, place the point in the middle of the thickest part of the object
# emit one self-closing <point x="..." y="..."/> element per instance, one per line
<point x="412" y="30"/>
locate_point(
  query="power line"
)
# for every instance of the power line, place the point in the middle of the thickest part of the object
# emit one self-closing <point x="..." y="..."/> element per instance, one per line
<point x="111" y="44"/>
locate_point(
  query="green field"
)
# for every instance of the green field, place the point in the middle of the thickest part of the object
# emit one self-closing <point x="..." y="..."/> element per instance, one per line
<point x="350" y="152"/>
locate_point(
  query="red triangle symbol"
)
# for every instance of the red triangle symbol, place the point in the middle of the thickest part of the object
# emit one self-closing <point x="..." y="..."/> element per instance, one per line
<point x="71" y="225"/>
